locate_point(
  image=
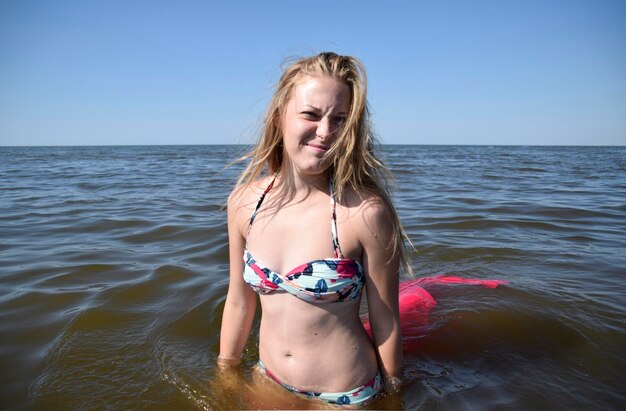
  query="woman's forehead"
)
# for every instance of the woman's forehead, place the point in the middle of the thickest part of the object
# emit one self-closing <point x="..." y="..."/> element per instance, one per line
<point x="321" y="92"/>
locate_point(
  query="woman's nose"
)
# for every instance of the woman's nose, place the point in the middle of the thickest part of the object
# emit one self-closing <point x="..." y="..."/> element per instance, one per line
<point x="324" y="128"/>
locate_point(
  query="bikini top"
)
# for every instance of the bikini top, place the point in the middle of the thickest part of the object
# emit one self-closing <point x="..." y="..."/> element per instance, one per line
<point x="319" y="281"/>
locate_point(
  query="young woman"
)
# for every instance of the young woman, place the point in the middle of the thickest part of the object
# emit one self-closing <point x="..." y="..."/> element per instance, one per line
<point x="310" y="226"/>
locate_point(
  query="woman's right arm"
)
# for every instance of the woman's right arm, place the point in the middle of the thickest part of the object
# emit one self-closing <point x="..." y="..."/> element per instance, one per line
<point x="241" y="299"/>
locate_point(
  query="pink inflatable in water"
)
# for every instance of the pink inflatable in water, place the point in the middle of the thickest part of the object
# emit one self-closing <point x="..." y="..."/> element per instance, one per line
<point x="416" y="304"/>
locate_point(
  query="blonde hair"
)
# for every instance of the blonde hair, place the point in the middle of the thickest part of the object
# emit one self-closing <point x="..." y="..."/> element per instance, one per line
<point x="354" y="162"/>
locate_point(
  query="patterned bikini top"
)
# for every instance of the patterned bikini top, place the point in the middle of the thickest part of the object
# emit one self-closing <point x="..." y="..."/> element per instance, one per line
<point x="319" y="281"/>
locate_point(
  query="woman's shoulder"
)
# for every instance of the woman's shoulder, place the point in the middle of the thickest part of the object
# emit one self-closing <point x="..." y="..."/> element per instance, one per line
<point x="366" y="203"/>
<point x="370" y="215"/>
<point x="246" y="195"/>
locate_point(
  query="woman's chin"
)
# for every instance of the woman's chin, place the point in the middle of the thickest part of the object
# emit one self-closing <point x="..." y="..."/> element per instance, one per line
<point x="313" y="167"/>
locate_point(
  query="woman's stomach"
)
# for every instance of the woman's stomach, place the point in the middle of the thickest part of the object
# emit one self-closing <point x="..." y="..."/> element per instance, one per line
<point x="315" y="347"/>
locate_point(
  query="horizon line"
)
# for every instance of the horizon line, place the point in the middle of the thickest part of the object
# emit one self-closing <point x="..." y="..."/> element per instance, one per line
<point x="252" y="144"/>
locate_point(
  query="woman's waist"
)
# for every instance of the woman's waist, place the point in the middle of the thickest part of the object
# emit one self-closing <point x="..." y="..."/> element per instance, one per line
<point x="319" y="362"/>
<point x="320" y="371"/>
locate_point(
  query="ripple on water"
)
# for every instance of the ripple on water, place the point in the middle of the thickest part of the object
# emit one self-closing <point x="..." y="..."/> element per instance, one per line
<point x="88" y="276"/>
<point x="100" y="360"/>
<point x="165" y="233"/>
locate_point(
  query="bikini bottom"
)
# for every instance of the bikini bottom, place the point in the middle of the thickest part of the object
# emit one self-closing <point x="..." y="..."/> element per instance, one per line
<point x="357" y="395"/>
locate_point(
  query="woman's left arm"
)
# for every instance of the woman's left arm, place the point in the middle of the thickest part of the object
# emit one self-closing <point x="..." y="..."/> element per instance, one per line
<point x="382" y="270"/>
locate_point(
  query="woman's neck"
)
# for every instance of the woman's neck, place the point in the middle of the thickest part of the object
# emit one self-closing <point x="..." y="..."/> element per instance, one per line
<point x="298" y="186"/>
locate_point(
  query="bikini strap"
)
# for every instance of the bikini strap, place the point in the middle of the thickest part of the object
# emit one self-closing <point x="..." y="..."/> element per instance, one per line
<point x="258" y="205"/>
<point x="333" y="226"/>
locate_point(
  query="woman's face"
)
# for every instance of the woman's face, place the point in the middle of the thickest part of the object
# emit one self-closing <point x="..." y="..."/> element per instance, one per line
<point x="312" y="120"/>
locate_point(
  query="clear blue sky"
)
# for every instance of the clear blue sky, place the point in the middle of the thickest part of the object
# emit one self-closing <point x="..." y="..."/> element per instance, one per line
<point x="200" y="72"/>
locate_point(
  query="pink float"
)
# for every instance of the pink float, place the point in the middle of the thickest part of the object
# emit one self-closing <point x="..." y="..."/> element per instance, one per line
<point x="416" y="303"/>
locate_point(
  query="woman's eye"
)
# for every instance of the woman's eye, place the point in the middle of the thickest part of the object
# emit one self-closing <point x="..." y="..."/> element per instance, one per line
<point x="309" y="115"/>
<point x="339" y="121"/>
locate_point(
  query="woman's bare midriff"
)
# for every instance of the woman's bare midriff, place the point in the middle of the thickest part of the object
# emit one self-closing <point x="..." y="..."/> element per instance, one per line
<point x="315" y="347"/>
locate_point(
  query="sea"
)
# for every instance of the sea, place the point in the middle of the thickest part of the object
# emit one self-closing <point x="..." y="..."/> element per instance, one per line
<point x="114" y="270"/>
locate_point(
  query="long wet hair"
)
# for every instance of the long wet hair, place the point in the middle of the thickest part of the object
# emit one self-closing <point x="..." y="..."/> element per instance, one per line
<point x="354" y="161"/>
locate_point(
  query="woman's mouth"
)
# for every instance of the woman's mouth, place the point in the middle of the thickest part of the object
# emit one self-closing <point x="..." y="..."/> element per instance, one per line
<point x="317" y="147"/>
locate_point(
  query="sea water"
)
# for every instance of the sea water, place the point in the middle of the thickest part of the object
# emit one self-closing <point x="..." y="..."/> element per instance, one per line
<point x="114" y="270"/>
